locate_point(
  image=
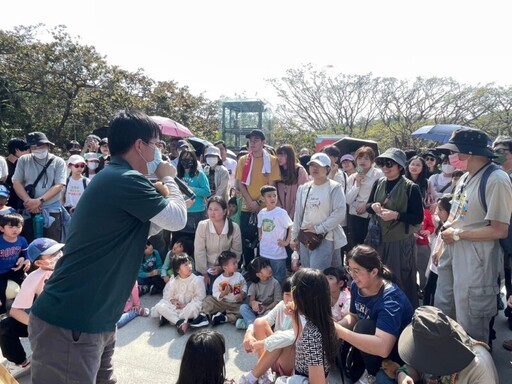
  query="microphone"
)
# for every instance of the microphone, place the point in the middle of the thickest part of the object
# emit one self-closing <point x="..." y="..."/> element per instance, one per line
<point x="185" y="189"/>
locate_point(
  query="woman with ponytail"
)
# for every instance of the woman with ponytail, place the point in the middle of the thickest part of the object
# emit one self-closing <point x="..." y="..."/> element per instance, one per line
<point x="379" y="310"/>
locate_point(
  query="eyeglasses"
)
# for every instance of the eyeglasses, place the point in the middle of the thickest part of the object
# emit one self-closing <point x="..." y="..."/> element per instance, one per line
<point x="79" y="165"/>
<point x="353" y="271"/>
<point x="151" y="144"/>
<point x="388" y="163"/>
<point x="430" y="158"/>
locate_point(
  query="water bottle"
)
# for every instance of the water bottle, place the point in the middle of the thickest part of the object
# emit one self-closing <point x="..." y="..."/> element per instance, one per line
<point x="295" y="261"/>
<point x="38" y="223"/>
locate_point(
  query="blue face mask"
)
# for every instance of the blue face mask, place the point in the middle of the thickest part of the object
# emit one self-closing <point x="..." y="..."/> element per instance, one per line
<point x="153" y="165"/>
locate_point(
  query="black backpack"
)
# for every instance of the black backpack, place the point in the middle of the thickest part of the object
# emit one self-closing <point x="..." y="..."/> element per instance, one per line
<point x="505" y="243"/>
<point x="350" y="362"/>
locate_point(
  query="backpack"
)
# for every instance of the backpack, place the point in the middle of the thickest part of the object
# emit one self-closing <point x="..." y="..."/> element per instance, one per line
<point x="350" y="362"/>
<point x="505" y="243"/>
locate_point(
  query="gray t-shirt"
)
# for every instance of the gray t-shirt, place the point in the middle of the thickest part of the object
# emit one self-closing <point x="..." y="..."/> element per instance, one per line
<point x="28" y="168"/>
<point x="266" y="292"/>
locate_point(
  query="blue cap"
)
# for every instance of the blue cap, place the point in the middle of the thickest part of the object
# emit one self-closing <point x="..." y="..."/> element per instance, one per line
<point x="4" y="191"/>
<point x="42" y="246"/>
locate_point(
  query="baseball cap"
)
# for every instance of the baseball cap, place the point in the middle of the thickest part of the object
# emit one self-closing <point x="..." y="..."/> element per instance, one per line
<point x="42" y="246"/>
<point x="76" y="159"/>
<point x="256" y="132"/>
<point x="321" y="159"/>
<point x="347" y="158"/>
<point x="4" y="191"/>
<point x="181" y="144"/>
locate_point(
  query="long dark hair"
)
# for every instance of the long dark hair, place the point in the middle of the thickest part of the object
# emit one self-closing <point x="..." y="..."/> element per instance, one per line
<point x="192" y="171"/>
<point x="289" y="174"/>
<point x="422" y="180"/>
<point x="312" y="298"/>
<point x="369" y="259"/>
<point x="219" y="200"/>
<point x="446" y="203"/>
<point x="207" y="348"/>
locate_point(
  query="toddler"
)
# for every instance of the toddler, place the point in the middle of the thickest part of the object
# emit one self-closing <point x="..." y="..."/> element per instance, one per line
<point x="182" y="245"/>
<point x="183" y="297"/>
<point x="149" y="273"/>
<point x="229" y="291"/>
<point x="13" y="263"/>
<point x="132" y="308"/>
<point x="264" y="294"/>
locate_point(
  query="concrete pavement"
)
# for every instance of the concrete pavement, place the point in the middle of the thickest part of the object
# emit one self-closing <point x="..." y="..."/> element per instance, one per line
<point x="148" y="353"/>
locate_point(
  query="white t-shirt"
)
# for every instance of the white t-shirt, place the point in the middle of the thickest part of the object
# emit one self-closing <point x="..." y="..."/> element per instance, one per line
<point x="32" y="286"/>
<point x="4" y="171"/>
<point x="274" y="225"/>
<point x="74" y="191"/>
<point x="230" y="164"/>
<point x="237" y="283"/>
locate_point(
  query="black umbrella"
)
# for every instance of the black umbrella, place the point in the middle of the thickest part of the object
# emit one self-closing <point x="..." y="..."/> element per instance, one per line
<point x="350" y="145"/>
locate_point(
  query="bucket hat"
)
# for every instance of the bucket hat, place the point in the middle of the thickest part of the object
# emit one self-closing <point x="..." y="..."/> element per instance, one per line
<point x="395" y="154"/>
<point x="469" y="141"/>
<point x="434" y="343"/>
<point x="212" y="151"/>
<point x="37" y="138"/>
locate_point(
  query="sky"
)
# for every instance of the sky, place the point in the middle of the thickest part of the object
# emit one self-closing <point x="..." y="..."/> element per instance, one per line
<point x="229" y="48"/>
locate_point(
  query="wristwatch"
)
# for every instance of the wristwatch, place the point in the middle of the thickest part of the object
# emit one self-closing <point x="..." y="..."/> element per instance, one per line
<point x="41" y="200"/>
<point x="456" y="233"/>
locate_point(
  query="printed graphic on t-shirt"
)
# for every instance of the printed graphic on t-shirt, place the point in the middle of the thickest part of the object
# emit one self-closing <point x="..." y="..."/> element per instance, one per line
<point x="268" y="225"/>
<point x="459" y="208"/>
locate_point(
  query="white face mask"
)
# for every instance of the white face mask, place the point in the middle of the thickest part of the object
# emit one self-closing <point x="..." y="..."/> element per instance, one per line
<point x="447" y="168"/>
<point x="92" y="165"/>
<point x="212" y="161"/>
<point x="40" y="153"/>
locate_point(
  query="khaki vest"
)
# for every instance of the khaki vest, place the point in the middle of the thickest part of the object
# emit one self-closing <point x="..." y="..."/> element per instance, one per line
<point x="395" y="230"/>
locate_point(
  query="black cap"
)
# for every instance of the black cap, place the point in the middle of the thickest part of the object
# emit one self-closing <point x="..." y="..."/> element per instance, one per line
<point x="256" y="132"/>
<point x="37" y="138"/>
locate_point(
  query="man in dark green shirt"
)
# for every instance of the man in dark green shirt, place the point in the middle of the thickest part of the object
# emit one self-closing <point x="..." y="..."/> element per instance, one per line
<point x="73" y="323"/>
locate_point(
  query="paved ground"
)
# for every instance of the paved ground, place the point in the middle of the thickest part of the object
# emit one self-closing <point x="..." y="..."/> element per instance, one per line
<point x="147" y="353"/>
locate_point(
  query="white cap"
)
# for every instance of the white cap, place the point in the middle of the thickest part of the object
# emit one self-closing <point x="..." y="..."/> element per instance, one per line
<point x="321" y="159"/>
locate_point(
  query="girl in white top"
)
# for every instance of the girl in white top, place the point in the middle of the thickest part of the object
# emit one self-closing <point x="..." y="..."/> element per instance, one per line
<point x="183" y="295"/>
<point x="76" y="182"/>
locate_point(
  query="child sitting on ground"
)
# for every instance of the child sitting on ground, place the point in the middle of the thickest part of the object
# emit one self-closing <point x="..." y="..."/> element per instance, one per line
<point x="275" y="232"/>
<point x="132" y="308"/>
<point x="13" y="263"/>
<point x="45" y="253"/>
<point x="264" y="293"/>
<point x="229" y="291"/>
<point x="149" y="273"/>
<point x="4" y="197"/>
<point x="340" y="293"/>
<point x="182" y="245"/>
<point x="272" y="338"/>
<point x="183" y="297"/>
<point x="206" y="348"/>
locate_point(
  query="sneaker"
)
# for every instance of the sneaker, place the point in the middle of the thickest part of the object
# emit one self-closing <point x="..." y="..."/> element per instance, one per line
<point x="141" y="311"/>
<point x="143" y="289"/>
<point x="18" y="370"/>
<point x="241" y="324"/>
<point x="219" y="318"/>
<point x="200" y="321"/>
<point x="366" y="379"/>
<point x="267" y="378"/>
<point x="179" y="324"/>
<point x="163" y="321"/>
<point x="154" y="290"/>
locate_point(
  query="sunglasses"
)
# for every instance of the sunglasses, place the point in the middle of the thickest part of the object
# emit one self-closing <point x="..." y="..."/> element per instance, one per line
<point x="388" y="163"/>
<point x="430" y="158"/>
<point x="79" y="165"/>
